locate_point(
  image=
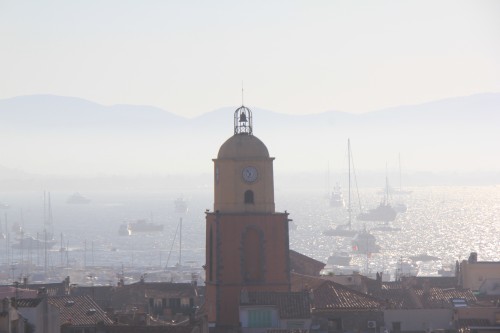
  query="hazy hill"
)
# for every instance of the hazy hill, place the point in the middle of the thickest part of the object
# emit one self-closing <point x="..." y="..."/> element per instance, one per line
<point x="64" y="135"/>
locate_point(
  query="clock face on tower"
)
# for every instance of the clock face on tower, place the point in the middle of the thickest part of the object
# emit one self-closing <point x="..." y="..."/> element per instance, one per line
<point x="249" y="174"/>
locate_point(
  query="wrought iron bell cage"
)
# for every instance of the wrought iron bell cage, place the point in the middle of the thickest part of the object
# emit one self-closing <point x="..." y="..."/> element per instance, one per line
<point x="243" y="120"/>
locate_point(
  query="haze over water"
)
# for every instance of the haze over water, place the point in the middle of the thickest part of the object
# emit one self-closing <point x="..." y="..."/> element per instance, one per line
<point x="447" y="222"/>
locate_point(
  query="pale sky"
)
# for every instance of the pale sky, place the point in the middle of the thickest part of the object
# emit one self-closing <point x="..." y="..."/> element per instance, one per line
<point x="298" y="57"/>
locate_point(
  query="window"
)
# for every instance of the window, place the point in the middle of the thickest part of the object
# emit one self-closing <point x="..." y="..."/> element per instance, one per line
<point x="174" y="303"/>
<point x="249" y="197"/>
<point x="259" y="318"/>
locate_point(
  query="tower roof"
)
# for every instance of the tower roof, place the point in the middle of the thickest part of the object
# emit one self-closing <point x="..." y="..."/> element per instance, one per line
<point x="243" y="146"/>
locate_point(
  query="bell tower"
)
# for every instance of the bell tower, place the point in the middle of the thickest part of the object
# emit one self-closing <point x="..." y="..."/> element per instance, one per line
<point x="243" y="171"/>
<point x="247" y="245"/>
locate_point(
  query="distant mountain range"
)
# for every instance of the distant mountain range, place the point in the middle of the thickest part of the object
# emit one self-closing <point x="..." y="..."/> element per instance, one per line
<point x="65" y="135"/>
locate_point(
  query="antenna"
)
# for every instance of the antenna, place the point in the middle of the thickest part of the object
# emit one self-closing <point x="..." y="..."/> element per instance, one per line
<point x="242" y="94"/>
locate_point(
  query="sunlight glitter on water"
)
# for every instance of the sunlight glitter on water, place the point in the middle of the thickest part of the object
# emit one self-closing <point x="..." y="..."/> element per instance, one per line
<point x="446" y="222"/>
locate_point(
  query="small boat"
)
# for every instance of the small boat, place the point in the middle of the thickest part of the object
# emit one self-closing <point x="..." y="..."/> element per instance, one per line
<point x="405" y="268"/>
<point x="142" y="226"/>
<point x="336" y="197"/>
<point x="384" y="212"/>
<point x="364" y="242"/>
<point x="447" y="270"/>
<point x="17" y="228"/>
<point x="77" y="198"/>
<point x="123" y="230"/>
<point x="400" y="207"/>
<point x="339" y="259"/>
<point x="30" y="242"/>
<point x="345" y="230"/>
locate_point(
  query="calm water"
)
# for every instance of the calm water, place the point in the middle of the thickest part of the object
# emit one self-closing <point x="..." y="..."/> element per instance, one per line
<point x="447" y="222"/>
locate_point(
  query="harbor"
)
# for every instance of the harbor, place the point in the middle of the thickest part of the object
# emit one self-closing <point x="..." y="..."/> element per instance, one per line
<point x="87" y="243"/>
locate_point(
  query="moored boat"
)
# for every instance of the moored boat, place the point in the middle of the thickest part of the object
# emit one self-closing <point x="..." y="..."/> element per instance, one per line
<point x="180" y="206"/>
<point x="29" y="242"/>
<point x="364" y="242"/>
<point x="143" y="226"/>
<point x="339" y="259"/>
<point x="336" y="197"/>
<point x="384" y="212"/>
<point x="123" y="230"/>
<point x="345" y="230"/>
<point x="77" y="198"/>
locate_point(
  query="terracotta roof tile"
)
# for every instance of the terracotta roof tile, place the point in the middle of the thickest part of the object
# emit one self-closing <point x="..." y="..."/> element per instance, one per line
<point x="28" y="302"/>
<point x="441" y="298"/>
<point x="396" y="298"/>
<point x="301" y="282"/>
<point x="466" y="323"/>
<point x="9" y="291"/>
<point x="79" y="311"/>
<point x="303" y="264"/>
<point x="331" y="295"/>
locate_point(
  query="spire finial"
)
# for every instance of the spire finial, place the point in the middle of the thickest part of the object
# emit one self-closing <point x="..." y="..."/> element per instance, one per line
<point x="242" y="94"/>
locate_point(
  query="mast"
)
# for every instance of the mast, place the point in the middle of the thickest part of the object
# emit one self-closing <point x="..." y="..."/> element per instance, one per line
<point x="349" y="168"/>
<point x="180" y="242"/>
<point x="399" y="158"/>
<point x="386" y="187"/>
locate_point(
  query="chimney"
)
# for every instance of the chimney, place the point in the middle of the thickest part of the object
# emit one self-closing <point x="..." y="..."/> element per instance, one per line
<point x="42" y="292"/>
<point x="379" y="280"/>
<point x="473" y="258"/>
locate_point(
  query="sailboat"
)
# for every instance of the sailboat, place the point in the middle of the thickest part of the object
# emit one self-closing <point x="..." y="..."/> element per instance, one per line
<point x="400" y="207"/>
<point x="336" y="196"/>
<point x="2" y="234"/>
<point x="46" y="241"/>
<point x="384" y="212"/>
<point x="345" y="229"/>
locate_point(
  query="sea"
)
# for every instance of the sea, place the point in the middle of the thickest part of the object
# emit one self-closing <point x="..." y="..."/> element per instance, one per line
<point x="448" y="222"/>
